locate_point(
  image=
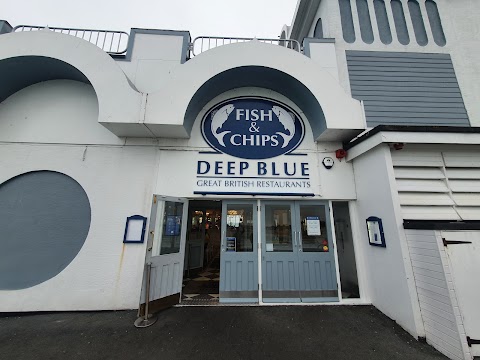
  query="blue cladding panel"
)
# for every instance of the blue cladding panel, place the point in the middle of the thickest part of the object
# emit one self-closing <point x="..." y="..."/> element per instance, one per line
<point x="44" y="221"/>
<point x="406" y="88"/>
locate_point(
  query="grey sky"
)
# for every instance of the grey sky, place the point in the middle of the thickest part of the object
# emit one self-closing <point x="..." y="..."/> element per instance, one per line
<point x="260" y="18"/>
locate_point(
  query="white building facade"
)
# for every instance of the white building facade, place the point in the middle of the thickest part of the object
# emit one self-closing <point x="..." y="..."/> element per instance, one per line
<point x="336" y="165"/>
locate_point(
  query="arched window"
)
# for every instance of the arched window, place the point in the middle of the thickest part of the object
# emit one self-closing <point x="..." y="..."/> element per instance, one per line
<point x="318" y="32"/>
<point x="365" y="22"/>
<point x="347" y="21"/>
<point x="435" y="23"/>
<point x="382" y="21"/>
<point x="417" y="22"/>
<point x="399" y="20"/>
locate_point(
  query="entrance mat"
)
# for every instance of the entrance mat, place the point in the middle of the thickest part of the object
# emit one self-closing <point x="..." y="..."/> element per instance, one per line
<point x="199" y="299"/>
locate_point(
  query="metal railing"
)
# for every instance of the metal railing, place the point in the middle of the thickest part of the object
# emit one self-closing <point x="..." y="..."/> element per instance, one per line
<point x="204" y="43"/>
<point x="110" y="41"/>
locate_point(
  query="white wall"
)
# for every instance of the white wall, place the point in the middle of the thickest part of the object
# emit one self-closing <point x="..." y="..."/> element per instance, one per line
<point x="323" y="12"/>
<point x="118" y="179"/>
<point x="389" y="278"/>
<point x="57" y="111"/>
<point x="166" y="108"/>
<point x="154" y="56"/>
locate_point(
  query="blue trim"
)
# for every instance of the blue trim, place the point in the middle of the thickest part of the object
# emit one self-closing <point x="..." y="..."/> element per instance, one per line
<point x="252" y="177"/>
<point x="261" y="77"/>
<point x="20" y="72"/>
<point x="253" y="194"/>
<point x="380" y="226"/>
<point x="135" y="217"/>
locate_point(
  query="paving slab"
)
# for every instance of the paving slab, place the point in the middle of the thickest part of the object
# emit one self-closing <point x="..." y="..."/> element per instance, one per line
<point x="268" y="332"/>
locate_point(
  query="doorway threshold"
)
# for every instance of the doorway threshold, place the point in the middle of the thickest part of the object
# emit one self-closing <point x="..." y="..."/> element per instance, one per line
<point x="211" y="303"/>
<point x="347" y="302"/>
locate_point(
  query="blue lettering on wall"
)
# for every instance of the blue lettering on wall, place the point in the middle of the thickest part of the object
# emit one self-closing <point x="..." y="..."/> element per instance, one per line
<point x="252" y="128"/>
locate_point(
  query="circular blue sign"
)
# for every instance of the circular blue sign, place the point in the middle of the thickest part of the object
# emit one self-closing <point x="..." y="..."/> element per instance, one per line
<point x="252" y="128"/>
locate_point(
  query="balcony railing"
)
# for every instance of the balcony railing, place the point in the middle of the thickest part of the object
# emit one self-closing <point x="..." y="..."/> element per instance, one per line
<point x="110" y="41"/>
<point x="204" y="43"/>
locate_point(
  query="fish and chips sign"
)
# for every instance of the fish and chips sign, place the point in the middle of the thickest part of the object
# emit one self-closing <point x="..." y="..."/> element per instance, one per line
<point x="253" y="140"/>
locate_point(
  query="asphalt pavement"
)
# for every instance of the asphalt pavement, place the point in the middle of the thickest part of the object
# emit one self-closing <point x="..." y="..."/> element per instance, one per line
<point x="269" y="332"/>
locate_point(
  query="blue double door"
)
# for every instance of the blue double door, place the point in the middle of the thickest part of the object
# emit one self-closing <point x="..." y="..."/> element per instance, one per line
<point x="298" y="262"/>
<point x="296" y="252"/>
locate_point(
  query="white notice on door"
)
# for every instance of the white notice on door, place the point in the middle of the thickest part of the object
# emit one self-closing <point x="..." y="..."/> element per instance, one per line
<point x="313" y="226"/>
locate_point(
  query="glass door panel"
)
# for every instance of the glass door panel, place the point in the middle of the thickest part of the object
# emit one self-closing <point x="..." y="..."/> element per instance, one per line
<point x="278" y="228"/>
<point x="239" y="228"/>
<point x="313" y="229"/>
<point x="169" y="235"/>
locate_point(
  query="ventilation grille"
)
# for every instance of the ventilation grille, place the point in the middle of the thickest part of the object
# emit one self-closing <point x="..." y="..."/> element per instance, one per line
<point x="438" y="185"/>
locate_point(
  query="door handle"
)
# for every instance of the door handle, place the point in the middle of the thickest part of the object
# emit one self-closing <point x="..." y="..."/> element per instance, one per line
<point x="149" y="249"/>
<point x="299" y="242"/>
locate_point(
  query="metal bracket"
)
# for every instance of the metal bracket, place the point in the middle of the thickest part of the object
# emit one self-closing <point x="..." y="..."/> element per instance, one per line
<point x="471" y="341"/>
<point x="454" y="242"/>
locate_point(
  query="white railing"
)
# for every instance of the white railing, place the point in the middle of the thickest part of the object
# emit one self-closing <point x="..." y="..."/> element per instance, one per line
<point x="204" y="43"/>
<point x="110" y="41"/>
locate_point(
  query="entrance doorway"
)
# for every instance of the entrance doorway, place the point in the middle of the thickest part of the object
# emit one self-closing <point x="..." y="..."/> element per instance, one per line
<point x="202" y="253"/>
<point x="239" y="251"/>
<point x="298" y="262"/>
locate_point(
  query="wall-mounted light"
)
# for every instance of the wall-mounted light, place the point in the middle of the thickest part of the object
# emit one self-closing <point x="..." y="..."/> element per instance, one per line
<point x="135" y="229"/>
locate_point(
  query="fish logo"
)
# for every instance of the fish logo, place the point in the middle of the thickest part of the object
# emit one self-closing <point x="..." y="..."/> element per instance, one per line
<point x="252" y="128"/>
<point x="218" y="119"/>
<point x="288" y="123"/>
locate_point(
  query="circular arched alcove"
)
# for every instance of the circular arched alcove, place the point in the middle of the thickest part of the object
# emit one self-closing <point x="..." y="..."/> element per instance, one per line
<point x="44" y="220"/>
<point x="20" y="72"/>
<point x="260" y="77"/>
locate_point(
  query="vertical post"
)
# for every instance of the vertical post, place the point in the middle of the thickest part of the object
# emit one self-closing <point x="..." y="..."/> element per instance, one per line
<point x="259" y="250"/>
<point x="146" y="320"/>
<point x="147" y="292"/>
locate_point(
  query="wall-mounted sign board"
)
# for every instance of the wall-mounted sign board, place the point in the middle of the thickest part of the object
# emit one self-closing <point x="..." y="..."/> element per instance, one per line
<point x="135" y="229"/>
<point x="375" y="231"/>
